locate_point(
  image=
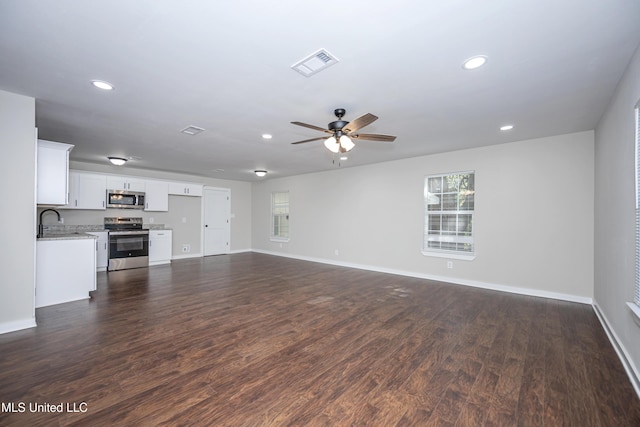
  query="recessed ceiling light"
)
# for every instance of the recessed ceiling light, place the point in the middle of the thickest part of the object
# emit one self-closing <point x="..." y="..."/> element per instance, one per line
<point x="267" y="136"/>
<point x="218" y="170"/>
<point x="101" y="84"/>
<point x="343" y="158"/>
<point x="474" y="62"/>
<point x="506" y="127"/>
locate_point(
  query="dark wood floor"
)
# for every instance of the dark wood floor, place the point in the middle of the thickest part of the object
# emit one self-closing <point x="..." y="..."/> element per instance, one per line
<point x="256" y="340"/>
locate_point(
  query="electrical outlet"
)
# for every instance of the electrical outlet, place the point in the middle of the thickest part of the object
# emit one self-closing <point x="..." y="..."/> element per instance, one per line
<point x="61" y="220"/>
<point x="449" y="264"/>
<point x="186" y="247"/>
<point x="184" y="219"/>
<point x="152" y="220"/>
<point x="336" y="252"/>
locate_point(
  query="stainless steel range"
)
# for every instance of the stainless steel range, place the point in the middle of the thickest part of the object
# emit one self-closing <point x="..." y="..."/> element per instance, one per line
<point x="128" y="243"/>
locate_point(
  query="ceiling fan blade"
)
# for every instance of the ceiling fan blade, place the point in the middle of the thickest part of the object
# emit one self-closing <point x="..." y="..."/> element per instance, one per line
<point x="309" y="140"/>
<point x="311" y="127"/>
<point x="373" y="137"/>
<point x="359" y="123"/>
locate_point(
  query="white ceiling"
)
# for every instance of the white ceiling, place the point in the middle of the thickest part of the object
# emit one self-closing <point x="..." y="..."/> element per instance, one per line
<point x="225" y="66"/>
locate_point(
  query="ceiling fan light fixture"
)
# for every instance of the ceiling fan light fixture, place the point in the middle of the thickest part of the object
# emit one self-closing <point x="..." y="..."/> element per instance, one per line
<point x="332" y="144"/>
<point x="346" y="143"/>
<point x="260" y="172"/>
<point x="118" y="161"/>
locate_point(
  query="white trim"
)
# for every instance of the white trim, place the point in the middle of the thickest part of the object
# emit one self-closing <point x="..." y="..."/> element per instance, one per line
<point x="279" y="239"/>
<point x="634" y="309"/>
<point x="623" y="354"/>
<point x="239" y="251"/>
<point x="189" y="255"/>
<point x="17" y="325"/>
<point x="446" y="279"/>
<point x="452" y="255"/>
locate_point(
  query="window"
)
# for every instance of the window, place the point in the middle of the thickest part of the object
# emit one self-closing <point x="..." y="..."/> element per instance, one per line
<point x="280" y="216"/>
<point x="448" y="215"/>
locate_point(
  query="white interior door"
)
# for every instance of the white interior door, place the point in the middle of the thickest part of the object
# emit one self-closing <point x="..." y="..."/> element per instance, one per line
<point x="217" y="226"/>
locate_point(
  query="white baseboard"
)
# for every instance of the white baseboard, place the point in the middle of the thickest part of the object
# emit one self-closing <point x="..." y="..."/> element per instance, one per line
<point x="464" y="282"/>
<point x="185" y="256"/>
<point x="17" y="325"/>
<point x="623" y="354"/>
<point x="239" y="251"/>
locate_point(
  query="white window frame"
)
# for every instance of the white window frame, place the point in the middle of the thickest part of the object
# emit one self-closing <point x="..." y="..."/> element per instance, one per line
<point x="277" y="236"/>
<point x="635" y="305"/>
<point x="447" y="253"/>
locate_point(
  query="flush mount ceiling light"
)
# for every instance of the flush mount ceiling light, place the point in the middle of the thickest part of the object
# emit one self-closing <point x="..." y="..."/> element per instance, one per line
<point x="506" y="127"/>
<point x="474" y="62"/>
<point x="118" y="161"/>
<point x="267" y="136"/>
<point x="101" y="84"/>
<point x="260" y="173"/>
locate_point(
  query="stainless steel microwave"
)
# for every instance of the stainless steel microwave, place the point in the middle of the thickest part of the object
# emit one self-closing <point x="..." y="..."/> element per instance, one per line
<point x="119" y="199"/>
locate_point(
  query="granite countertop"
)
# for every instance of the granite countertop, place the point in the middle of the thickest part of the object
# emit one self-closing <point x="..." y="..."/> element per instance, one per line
<point x="70" y="232"/>
<point x="66" y="232"/>
<point x="61" y="235"/>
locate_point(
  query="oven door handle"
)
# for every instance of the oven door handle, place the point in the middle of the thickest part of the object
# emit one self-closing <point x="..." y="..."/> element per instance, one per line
<point x="128" y="233"/>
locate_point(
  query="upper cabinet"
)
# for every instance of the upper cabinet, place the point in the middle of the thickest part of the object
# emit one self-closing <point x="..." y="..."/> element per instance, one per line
<point x="53" y="173"/>
<point x="185" y="189"/>
<point x="87" y="191"/>
<point x="156" y="197"/>
<point x="125" y="183"/>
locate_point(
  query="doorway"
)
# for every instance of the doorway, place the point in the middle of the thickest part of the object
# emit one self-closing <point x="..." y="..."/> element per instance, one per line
<point x="216" y="219"/>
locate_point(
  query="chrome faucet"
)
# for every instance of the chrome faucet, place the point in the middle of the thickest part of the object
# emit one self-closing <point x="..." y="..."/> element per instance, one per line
<point x="40" y="226"/>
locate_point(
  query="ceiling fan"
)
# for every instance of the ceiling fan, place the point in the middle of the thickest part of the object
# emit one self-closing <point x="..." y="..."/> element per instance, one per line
<point x="342" y="132"/>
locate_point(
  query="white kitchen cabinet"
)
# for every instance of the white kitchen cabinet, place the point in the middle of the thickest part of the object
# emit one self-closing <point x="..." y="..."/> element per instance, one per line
<point x="53" y="173"/>
<point x="185" y="189"/>
<point x="160" y="242"/>
<point x="87" y="191"/>
<point x="125" y="183"/>
<point x="156" y="197"/>
<point x="65" y="270"/>
<point x="102" y="249"/>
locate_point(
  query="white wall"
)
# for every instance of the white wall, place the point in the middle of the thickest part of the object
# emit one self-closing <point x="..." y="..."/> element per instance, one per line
<point x="615" y="214"/>
<point x="17" y="218"/>
<point x="533" y="218"/>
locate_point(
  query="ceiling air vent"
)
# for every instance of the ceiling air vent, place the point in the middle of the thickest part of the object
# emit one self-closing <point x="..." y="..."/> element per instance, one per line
<point x="315" y="63"/>
<point x="192" y="130"/>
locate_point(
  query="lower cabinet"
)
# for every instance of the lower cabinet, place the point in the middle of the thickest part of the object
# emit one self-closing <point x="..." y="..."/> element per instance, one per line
<point x="65" y="270"/>
<point x="102" y="249"/>
<point x="160" y="242"/>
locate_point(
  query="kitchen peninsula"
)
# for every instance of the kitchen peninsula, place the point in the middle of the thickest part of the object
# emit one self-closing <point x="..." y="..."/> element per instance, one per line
<point x="65" y="267"/>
